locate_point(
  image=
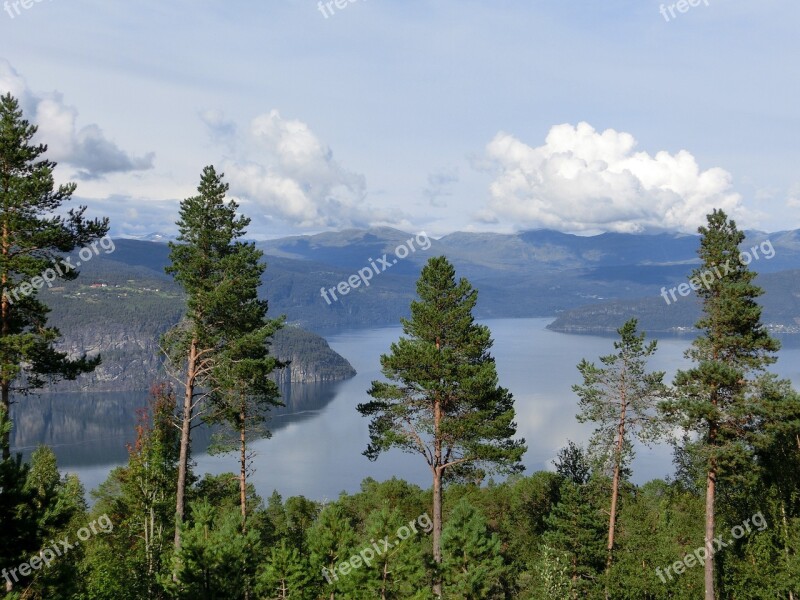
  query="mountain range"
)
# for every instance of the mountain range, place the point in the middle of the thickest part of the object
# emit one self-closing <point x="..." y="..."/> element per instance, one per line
<point x="123" y="300"/>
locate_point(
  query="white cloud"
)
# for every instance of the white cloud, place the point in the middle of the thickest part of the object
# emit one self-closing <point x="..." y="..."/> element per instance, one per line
<point x="292" y="176"/>
<point x="582" y="180"/>
<point x="86" y="148"/>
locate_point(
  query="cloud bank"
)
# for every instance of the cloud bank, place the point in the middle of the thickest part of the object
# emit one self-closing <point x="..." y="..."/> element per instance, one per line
<point x="584" y="180"/>
<point x="290" y="175"/>
<point x="85" y="148"/>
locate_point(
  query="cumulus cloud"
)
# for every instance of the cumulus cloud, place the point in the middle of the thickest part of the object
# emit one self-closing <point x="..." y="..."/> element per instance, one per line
<point x="292" y="176"/>
<point x="582" y="180"/>
<point x="87" y="149"/>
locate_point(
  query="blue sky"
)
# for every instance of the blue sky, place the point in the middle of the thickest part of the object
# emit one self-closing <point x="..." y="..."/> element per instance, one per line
<point x="440" y="115"/>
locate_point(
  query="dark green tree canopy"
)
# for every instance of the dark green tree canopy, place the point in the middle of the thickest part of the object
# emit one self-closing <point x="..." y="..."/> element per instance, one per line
<point x="445" y="358"/>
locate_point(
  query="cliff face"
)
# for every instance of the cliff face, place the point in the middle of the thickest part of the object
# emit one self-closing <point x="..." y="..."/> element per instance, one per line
<point x="310" y="358"/>
<point x="123" y="322"/>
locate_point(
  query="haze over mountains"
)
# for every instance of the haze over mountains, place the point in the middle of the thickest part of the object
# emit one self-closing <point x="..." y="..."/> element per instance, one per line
<point x="590" y="282"/>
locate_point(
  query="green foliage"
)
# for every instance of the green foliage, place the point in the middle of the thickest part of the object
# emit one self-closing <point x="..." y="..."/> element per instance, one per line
<point x="717" y="399"/>
<point x="473" y="566"/>
<point x="216" y="559"/>
<point x="17" y="521"/>
<point x="395" y="573"/>
<point x="331" y="541"/>
<point x="576" y="530"/>
<point x="444" y="362"/>
<point x="657" y="527"/>
<point x="621" y="398"/>
<point x="573" y="463"/>
<point x="60" y="507"/>
<point x="286" y="575"/>
<point x="712" y="397"/>
<point x="34" y="238"/>
<point x="140" y="499"/>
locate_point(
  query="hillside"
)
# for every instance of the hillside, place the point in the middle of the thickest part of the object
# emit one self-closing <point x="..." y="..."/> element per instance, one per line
<point x="120" y="310"/>
<point x="530" y="274"/>
<point x="781" y="313"/>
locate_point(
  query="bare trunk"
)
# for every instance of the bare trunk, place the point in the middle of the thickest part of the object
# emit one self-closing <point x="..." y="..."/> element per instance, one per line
<point x="5" y="328"/>
<point x="711" y="489"/>
<point x="437" y="489"/>
<point x="186" y="431"/>
<point x="612" y="520"/>
<point x="437" y="526"/>
<point x="243" y="466"/>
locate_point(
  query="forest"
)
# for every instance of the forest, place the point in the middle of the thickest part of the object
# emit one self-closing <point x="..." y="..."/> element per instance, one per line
<point x="725" y="524"/>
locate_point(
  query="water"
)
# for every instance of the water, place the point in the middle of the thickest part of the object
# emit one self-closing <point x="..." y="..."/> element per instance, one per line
<point x="317" y="442"/>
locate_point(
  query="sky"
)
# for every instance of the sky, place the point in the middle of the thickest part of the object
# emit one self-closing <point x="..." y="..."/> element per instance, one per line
<point x="583" y="116"/>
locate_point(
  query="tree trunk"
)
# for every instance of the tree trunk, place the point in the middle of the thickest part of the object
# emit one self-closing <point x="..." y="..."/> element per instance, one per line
<point x="711" y="488"/>
<point x="437" y="527"/>
<point x="437" y="489"/>
<point x="5" y="316"/>
<point x="243" y="466"/>
<point x="612" y="520"/>
<point x="5" y="418"/>
<point x="186" y="431"/>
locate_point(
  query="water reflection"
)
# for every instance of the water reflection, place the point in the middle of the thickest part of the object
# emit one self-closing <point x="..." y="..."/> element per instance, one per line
<point x="90" y="429"/>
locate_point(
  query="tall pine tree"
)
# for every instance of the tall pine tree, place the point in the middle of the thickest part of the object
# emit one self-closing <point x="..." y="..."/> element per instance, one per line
<point x="220" y="347"/>
<point x="621" y="398"/>
<point x="444" y="401"/>
<point x="712" y="397"/>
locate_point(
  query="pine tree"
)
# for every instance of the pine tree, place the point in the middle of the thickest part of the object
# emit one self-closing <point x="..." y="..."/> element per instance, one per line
<point x="224" y="320"/>
<point x="473" y="566"/>
<point x="397" y="573"/>
<point x="17" y="521"/>
<point x="286" y="576"/>
<point x="621" y="398"/>
<point x="34" y="240"/>
<point x="575" y="531"/>
<point x="216" y="559"/>
<point x="244" y="391"/>
<point x="734" y="348"/>
<point x="331" y="542"/>
<point x="445" y="402"/>
<point x="60" y="508"/>
<point x="572" y="463"/>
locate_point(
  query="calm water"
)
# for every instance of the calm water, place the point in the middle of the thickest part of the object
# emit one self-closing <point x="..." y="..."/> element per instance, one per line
<point x="317" y="441"/>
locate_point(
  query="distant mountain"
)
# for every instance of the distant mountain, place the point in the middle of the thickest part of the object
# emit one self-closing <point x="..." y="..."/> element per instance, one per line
<point x="533" y="273"/>
<point x="152" y="237"/>
<point x="781" y="311"/>
<point x="530" y="274"/>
